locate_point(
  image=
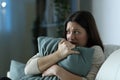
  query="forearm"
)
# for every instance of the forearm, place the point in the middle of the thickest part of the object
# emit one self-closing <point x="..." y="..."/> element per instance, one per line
<point x="65" y="75"/>
<point x="37" y="64"/>
<point x="47" y="61"/>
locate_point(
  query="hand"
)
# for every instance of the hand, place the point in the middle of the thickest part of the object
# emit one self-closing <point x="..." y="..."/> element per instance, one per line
<point x="51" y="71"/>
<point x="65" y="48"/>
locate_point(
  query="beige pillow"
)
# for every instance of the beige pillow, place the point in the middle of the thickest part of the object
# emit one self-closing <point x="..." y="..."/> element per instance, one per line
<point x="110" y="70"/>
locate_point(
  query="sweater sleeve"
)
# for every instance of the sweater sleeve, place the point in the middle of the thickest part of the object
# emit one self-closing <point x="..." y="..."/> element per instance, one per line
<point x="32" y="65"/>
<point x="98" y="59"/>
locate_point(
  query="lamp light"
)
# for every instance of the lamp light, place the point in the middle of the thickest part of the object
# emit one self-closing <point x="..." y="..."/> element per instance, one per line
<point x="3" y="4"/>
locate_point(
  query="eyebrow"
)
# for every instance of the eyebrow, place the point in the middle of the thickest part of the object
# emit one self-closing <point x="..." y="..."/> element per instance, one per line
<point x="74" y="29"/>
<point x="77" y="29"/>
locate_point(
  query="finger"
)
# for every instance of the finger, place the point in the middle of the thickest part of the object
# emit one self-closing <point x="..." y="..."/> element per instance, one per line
<point x="75" y="52"/>
<point x="43" y="75"/>
<point x="61" y="41"/>
<point x="72" y="46"/>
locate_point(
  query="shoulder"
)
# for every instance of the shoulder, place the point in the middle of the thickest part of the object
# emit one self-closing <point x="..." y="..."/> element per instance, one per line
<point x="96" y="47"/>
<point x="98" y="56"/>
<point x="97" y="50"/>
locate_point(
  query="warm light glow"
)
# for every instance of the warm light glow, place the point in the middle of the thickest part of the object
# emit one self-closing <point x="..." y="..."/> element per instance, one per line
<point x="3" y="4"/>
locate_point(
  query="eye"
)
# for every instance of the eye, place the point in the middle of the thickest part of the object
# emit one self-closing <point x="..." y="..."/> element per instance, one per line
<point x="67" y="32"/>
<point x="76" y="32"/>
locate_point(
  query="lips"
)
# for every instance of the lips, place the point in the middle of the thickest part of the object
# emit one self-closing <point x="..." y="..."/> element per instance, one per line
<point x="74" y="43"/>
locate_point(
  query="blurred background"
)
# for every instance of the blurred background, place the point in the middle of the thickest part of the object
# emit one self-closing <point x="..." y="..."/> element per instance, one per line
<point x="22" y="21"/>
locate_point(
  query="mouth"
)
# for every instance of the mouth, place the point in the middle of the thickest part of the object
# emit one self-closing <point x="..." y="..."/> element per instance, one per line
<point x="74" y="43"/>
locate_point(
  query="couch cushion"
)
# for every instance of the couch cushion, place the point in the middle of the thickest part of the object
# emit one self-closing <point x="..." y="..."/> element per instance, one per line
<point x="110" y="70"/>
<point x="16" y="70"/>
<point x="109" y="48"/>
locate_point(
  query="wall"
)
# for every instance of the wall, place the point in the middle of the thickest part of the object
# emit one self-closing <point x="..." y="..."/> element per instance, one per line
<point x="15" y="33"/>
<point x="86" y="5"/>
<point x="107" y="16"/>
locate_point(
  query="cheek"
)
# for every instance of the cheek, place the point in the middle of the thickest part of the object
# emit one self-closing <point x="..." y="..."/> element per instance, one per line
<point x="82" y="39"/>
<point x="67" y="36"/>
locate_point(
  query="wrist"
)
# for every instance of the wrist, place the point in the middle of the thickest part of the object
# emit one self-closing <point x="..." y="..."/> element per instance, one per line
<point x="59" y="55"/>
<point x="58" y="71"/>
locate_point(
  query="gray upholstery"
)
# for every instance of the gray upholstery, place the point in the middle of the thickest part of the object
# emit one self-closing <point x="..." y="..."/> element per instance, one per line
<point x="108" y="49"/>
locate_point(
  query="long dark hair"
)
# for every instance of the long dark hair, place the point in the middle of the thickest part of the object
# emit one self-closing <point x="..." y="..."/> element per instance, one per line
<point x="87" y="21"/>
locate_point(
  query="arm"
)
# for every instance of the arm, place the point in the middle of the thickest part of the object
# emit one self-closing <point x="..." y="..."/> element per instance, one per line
<point x="47" y="61"/>
<point x="43" y="63"/>
<point x="37" y="64"/>
<point x="64" y="49"/>
<point x="65" y="75"/>
<point x="98" y="59"/>
<point x="61" y="73"/>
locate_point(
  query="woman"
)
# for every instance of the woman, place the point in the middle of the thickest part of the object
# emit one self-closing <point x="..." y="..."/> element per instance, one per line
<point x="81" y="30"/>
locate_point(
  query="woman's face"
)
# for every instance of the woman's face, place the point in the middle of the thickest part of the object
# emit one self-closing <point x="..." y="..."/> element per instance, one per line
<point x="76" y="34"/>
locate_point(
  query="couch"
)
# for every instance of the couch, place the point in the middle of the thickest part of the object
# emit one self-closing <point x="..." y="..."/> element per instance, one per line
<point x="110" y="69"/>
<point x="16" y="68"/>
